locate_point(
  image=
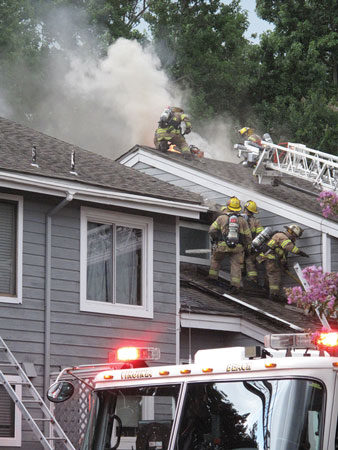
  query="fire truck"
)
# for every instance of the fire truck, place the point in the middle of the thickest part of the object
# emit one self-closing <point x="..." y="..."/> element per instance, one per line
<point x="283" y="396"/>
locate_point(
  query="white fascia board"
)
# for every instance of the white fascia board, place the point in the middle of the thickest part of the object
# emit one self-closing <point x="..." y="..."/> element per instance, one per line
<point x="85" y="192"/>
<point x="223" y="323"/>
<point x="226" y="188"/>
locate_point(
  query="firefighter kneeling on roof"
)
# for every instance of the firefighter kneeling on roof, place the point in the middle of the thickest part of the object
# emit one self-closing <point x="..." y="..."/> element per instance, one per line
<point x="274" y="256"/>
<point x="230" y="236"/>
<point x="169" y="130"/>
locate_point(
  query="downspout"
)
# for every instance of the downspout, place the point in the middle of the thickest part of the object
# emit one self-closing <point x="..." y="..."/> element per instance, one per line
<point x="48" y="271"/>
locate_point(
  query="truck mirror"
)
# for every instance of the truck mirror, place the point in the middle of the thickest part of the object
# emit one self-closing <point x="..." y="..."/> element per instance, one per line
<point x="60" y="391"/>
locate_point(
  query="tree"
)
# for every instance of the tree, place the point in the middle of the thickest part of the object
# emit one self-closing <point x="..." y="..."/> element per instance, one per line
<point x="296" y="88"/>
<point x="117" y="18"/>
<point x="202" y="45"/>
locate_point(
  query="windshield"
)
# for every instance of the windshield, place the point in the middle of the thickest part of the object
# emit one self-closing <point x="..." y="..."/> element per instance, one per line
<point x="138" y="418"/>
<point x="262" y="414"/>
<point x="282" y="414"/>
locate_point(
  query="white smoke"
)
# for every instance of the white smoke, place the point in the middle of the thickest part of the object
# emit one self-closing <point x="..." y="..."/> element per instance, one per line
<point x="108" y="105"/>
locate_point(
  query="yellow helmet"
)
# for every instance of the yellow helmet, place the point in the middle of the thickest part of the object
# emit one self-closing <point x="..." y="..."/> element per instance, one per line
<point x="234" y="204"/>
<point x="251" y="206"/>
<point x="294" y="229"/>
<point x="246" y="131"/>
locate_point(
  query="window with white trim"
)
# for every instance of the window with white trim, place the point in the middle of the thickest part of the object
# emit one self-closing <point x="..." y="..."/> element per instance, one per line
<point x="194" y="243"/>
<point x="116" y="263"/>
<point x="11" y="207"/>
<point x="10" y="416"/>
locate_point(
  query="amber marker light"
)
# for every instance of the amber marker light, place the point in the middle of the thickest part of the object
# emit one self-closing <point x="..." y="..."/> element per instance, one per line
<point x="108" y="377"/>
<point x="335" y="364"/>
<point x="207" y="370"/>
<point x="185" y="371"/>
<point x="164" y="372"/>
<point x="270" y="365"/>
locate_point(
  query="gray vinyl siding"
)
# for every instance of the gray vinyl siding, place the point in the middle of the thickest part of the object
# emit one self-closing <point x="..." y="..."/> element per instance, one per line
<point x="310" y="241"/>
<point x="79" y="337"/>
<point x="206" y="339"/>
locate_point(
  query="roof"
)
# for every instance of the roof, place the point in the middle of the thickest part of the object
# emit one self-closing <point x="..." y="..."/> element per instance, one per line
<point x="198" y="296"/>
<point x="239" y="175"/>
<point x="54" y="161"/>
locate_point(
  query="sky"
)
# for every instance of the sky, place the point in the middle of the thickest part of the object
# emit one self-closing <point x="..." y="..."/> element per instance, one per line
<point x="257" y="25"/>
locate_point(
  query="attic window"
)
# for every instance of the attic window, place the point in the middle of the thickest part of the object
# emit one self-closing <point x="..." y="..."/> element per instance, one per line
<point x="194" y="237"/>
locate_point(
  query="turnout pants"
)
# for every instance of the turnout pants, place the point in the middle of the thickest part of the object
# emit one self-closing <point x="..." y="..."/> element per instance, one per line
<point x="274" y="274"/>
<point x="236" y="256"/>
<point x="251" y="269"/>
<point x="175" y="138"/>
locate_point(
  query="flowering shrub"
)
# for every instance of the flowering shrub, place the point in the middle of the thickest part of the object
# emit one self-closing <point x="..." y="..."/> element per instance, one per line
<point x="322" y="292"/>
<point x="329" y="203"/>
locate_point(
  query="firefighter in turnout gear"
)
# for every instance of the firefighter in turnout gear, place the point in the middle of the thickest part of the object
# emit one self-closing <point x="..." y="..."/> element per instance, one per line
<point x="230" y="236"/>
<point x="250" y="209"/>
<point x="274" y="256"/>
<point x="249" y="135"/>
<point x="170" y="129"/>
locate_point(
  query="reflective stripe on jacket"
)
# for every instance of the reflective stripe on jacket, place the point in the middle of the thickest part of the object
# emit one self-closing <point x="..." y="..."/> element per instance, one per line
<point x="280" y="244"/>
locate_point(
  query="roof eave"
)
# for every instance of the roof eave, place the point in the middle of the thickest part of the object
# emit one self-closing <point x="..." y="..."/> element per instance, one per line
<point x="86" y="192"/>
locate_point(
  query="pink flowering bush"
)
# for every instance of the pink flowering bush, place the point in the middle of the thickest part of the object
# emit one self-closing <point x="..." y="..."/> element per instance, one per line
<point x="322" y="292"/>
<point x="329" y="203"/>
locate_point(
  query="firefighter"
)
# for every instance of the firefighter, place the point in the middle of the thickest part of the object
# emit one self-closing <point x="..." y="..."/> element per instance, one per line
<point x="230" y="236"/>
<point x="170" y="129"/>
<point x="249" y="135"/>
<point x="250" y="209"/>
<point x="275" y="257"/>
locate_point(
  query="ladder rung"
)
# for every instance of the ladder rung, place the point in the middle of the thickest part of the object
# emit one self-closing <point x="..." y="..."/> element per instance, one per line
<point x="3" y="364"/>
<point x="43" y="420"/>
<point x="32" y="401"/>
<point x="52" y="438"/>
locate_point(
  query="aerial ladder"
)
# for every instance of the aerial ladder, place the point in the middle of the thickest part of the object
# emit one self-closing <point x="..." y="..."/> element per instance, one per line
<point x="271" y="160"/>
<point x="31" y="398"/>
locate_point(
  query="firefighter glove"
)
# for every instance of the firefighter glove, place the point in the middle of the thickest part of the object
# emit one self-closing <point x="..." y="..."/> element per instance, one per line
<point x="303" y="254"/>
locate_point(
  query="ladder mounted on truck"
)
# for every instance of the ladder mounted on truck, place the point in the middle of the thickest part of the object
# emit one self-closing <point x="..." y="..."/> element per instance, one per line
<point x="33" y="398"/>
<point x="319" y="168"/>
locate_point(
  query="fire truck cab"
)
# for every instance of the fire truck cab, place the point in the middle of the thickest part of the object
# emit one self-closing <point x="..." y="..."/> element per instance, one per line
<point x="281" y="397"/>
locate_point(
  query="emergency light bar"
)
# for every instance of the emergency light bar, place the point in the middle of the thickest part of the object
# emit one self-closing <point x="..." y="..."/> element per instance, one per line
<point x="317" y="341"/>
<point x="137" y="353"/>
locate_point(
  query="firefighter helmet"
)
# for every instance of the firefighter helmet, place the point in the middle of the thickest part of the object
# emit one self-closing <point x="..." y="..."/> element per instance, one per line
<point x="251" y="206"/>
<point x="294" y="229"/>
<point x="246" y="131"/>
<point x="233" y="204"/>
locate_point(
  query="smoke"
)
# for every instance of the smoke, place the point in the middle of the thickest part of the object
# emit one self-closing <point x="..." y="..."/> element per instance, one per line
<point x="108" y="105"/>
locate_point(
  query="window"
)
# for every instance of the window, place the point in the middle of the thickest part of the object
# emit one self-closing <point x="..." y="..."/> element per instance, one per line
<point x="194" y="237"/>
<point x="116" y="263"/>
<point x="132" y="418"/>
<point x="282" y="414"/>
<point x="10" y="416"/>
<point x="10" y="249"/>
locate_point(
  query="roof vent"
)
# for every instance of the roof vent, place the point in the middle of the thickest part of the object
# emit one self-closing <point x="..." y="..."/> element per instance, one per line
<point x="34" y="154"/>
<point x="72" y="163"/>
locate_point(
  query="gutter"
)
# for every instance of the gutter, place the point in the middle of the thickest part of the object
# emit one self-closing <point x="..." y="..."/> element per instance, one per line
<point x="48" y="275"/>
<point x="107" y="196"/>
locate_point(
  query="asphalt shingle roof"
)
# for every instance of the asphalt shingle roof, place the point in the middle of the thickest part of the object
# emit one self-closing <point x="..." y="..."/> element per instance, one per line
<point x="54" y="160"/>
<point x="200" y="297"/>
<point x="243" y="176"/>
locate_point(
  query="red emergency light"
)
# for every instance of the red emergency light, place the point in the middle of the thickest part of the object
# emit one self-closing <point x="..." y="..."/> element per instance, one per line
<point x="326" y="340"/>
<point x="134" y="354"/>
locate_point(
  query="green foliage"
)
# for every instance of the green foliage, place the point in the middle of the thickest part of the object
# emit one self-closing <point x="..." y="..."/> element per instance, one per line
<point x="295" y="90"/>
<point x="201" y="45"/>
<point x="117" y="18"/>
